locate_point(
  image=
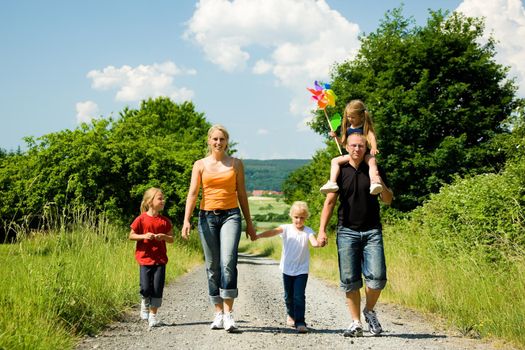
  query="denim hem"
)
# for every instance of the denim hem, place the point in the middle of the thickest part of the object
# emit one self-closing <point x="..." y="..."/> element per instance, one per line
<point x="215" y="299"/>
<point x="155" y="302"/>
<point x="350" y="287"/>
<point x="376" y="284"/>
<point x="229" y="293"/>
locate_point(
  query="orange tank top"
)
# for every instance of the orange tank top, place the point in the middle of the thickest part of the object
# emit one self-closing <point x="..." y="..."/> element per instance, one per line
<point x="219" y="190"/>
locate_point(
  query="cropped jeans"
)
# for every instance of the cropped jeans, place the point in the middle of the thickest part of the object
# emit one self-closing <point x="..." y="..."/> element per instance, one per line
<point x="361" y="253"/>
<point x="152" y="279"/>
<point x="220" y="232"/>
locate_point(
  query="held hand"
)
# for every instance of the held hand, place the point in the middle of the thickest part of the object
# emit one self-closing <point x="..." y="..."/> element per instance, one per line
<point x="250" y="232"/>
<point x="332" y="134"/>
<point x="374" y="151"/>
<point x="322" y="239"/>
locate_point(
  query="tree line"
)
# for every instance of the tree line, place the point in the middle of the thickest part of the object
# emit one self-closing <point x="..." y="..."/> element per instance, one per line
<point x="441" y="105"/>
<point x="103" y="167"/>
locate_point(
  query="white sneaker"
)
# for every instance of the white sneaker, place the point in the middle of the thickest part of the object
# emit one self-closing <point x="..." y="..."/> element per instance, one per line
<point x="144" y="310"/>
<point x="373" y="323"/>
<point x="354" y="330"/>
<point x="329" y="187"/>
<point x="375" y="189"/>
<point x="218" y="321"/>
<point x="229" y="322"/>
<point x="154" y="321"/>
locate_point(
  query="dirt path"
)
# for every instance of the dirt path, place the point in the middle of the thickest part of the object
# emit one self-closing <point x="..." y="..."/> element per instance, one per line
<point x="260" y="314"/>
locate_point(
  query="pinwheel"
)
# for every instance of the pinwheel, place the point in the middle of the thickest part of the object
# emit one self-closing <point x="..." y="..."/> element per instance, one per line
<point x="325" y="97"/>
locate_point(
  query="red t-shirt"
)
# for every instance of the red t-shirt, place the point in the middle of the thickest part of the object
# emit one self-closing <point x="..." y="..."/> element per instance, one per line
<point x="150" y="251"/>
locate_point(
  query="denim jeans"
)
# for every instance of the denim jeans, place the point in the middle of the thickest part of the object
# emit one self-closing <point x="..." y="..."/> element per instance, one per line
<point x="294" y="298"/>
<point x="220" y="232"/>
<point x="361" y="253"/>
<point x="152" y="279"/>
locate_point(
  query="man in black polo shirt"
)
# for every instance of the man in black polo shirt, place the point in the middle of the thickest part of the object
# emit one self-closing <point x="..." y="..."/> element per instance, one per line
<point x="359" y="236"/>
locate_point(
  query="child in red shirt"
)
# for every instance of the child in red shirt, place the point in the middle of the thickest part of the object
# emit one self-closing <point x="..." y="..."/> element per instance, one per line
<point x="151" y="231"/>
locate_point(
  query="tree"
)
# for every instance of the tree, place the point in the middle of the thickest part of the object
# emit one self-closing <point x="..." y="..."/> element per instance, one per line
<point x="437" y="98"/>
<point x="104" y="166"/>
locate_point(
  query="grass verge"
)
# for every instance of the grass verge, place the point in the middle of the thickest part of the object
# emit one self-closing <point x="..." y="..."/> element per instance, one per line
<point x="59" y="286"/>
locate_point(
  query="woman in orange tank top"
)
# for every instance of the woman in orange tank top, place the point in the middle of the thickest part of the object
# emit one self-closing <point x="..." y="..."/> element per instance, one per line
<point x="223" y="192"/>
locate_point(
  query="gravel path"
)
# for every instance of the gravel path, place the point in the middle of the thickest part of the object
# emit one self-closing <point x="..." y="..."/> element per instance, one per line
<point x="260" y="314"/>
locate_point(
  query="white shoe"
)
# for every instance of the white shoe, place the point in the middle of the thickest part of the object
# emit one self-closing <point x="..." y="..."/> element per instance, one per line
<point x="329" y="187"/>
<point x="229" y="322"/>
<point x="354" y="330"/>
<point x="218" y="321"/>
<point x="375" y="189"/>
<point x="154" y="321"/>
<point x="373" y="323"/>
<point x="144" y="310"/>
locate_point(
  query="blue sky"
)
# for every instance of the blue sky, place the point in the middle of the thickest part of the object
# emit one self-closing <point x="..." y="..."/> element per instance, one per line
<point x="244" y="63"/>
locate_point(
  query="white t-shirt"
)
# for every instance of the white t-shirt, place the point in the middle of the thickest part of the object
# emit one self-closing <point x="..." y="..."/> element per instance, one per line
<point x="295" y="256"/>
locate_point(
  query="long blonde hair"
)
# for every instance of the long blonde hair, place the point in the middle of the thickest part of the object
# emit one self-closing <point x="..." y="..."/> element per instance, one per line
<point x="357" y="107"/>
<point x="148" y="197"/>
<point x="222" y="129"/>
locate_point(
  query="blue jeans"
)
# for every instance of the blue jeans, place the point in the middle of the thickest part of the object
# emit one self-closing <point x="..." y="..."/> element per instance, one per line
<point x="220" y="232"/>
<point x="294" y="298"/>
<point x="152" y="279"/>
<point x="361" y="253"/>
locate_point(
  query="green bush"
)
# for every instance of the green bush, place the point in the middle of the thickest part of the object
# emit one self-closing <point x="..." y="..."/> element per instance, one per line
<point x="462" y="255"/>
<point x="105" y="166"/>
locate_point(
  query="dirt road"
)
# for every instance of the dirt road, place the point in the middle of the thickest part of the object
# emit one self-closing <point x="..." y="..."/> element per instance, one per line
<point x="260" y="314"/>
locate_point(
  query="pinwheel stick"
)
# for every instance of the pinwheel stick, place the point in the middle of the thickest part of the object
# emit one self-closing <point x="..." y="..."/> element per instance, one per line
<point x="330" y="125"/>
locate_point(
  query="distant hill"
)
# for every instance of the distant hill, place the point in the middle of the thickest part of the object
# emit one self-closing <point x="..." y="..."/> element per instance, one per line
<point x="269" y="174"/>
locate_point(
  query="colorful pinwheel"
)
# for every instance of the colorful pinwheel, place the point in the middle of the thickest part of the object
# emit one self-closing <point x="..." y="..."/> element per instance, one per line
<point x="325" y="97"/>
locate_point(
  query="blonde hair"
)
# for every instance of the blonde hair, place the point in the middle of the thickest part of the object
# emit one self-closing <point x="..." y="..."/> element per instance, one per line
<point x="357" y="107"/>
<point x="218" y="127"/>
<point x="148" y="197"/>
<point x="301" y="207"/>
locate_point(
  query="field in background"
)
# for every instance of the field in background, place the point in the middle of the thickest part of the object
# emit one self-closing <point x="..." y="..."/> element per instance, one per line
<point x="268" y="212"/>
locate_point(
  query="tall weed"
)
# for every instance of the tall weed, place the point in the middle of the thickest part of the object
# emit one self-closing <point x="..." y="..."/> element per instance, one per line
<point x="462" y="255"/>
<point x="63" y="284"/>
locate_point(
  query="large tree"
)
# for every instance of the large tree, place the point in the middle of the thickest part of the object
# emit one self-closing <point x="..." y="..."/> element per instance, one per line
<point x="437" y="98"/>
<point x="104" y="166"/>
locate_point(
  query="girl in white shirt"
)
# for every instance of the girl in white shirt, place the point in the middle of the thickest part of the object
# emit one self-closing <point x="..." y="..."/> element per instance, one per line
<point x="295" y="260"/>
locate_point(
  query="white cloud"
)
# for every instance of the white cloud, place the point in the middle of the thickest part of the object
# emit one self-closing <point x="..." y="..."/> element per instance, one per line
<point x="262" y="67"/>
<point x="505" y="19"/>
<point x="86" y="111"/>
<point x="262" y="132"/>
<point x="300" y="40"/>
<point x="143" y="81"/>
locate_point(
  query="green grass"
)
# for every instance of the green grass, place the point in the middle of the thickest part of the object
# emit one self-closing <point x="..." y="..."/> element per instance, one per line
<point x="59" y="286"/>
<point x="477" y="297"/>
<point x="268" y="205"/>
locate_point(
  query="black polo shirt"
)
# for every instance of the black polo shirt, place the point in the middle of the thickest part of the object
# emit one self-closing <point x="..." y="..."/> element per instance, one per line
<point x="358" y="209"/>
